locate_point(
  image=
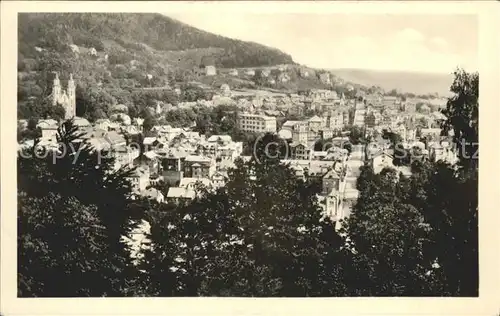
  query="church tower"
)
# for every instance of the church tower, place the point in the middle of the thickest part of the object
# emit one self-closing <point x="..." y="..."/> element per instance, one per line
<point x="56" y="90"/>
<point x="71" y="105"/>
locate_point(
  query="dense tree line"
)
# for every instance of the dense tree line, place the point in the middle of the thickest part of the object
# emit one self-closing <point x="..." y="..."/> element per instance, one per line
<point x="262" y="234"/>
<point x="28" y="131"/>
<point x="412" y="236"/>
<point x="41" y="108"/>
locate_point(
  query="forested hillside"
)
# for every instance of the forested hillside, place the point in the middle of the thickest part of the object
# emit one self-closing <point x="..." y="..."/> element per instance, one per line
<point x="138" y="32"/>
<point x="113" y="56"/>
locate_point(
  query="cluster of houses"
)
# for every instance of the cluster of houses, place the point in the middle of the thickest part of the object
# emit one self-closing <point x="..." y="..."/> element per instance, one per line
<point x="257" y="101"/>
<point x="273" y="75"/>
<point x="183" y="160"/>
<point x="303" y="135"/>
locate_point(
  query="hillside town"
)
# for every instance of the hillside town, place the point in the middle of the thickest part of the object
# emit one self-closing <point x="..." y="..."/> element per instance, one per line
<point x="181" y="157"/>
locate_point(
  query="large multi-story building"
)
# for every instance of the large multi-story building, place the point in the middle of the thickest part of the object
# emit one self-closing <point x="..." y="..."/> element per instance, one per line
<point x="199" y="167"/>
<point x="315" y="123"/>
<point x="322" y="94"/>
<point x="220" y="147"/>
<point x="335" y="120"/>
<point x="256" y="123"/>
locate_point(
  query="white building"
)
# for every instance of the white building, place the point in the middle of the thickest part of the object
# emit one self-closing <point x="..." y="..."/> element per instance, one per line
<point x="49" y="128"/>
<point x="210" y="70"/>
<point x="380" y="161"/>
<point x="257" y="123"/>
<point x="177" y="194"/>
<point x="442" y="151"/>
<point x="250" y="72"/>
<point x="359" y="117"/>
<point x="335" y="120"/>
<point x="322" y="94"/>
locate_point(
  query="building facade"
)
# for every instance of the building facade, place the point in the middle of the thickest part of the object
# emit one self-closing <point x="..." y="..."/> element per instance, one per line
<point x="300" y="133"/>
<point x="210" y="70"/>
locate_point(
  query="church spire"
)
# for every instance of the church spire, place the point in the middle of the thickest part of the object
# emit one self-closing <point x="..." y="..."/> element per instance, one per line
<point x="71" y="106"/>
<point x="71" y="84"/>
<point x="56" y="89"/>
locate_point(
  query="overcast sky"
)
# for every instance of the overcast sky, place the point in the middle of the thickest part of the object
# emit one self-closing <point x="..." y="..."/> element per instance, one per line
<point x="425" y="43"/>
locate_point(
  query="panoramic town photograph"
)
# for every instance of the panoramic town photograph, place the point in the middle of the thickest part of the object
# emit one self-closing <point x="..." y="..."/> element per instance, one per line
<point x="247" y="155"/>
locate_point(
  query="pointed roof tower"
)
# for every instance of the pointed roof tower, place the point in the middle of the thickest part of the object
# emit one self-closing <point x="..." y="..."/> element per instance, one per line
<point x="56" y="79"/>
<point x="71" y="83"/>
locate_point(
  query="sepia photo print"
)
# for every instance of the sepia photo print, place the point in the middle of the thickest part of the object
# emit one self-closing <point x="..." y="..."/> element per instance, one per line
<point x="192" y="154"/>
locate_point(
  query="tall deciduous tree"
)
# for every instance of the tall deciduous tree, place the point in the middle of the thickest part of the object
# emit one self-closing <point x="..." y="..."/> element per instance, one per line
<point x="448" y="200"/>
<point x="462" y="112"/>
<point x="387" y="236"/>
<point x="457" y="222"/>
<point x="423" y="228"/>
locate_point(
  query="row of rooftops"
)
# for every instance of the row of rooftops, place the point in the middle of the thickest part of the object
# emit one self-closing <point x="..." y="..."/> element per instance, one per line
<point x="187" y="189"/>
<point x="53" y="124"/>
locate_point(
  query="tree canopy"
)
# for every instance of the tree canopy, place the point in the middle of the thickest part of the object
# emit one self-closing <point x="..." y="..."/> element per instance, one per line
<point x="260" y="235"/>
<point x="462" y="111"/>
